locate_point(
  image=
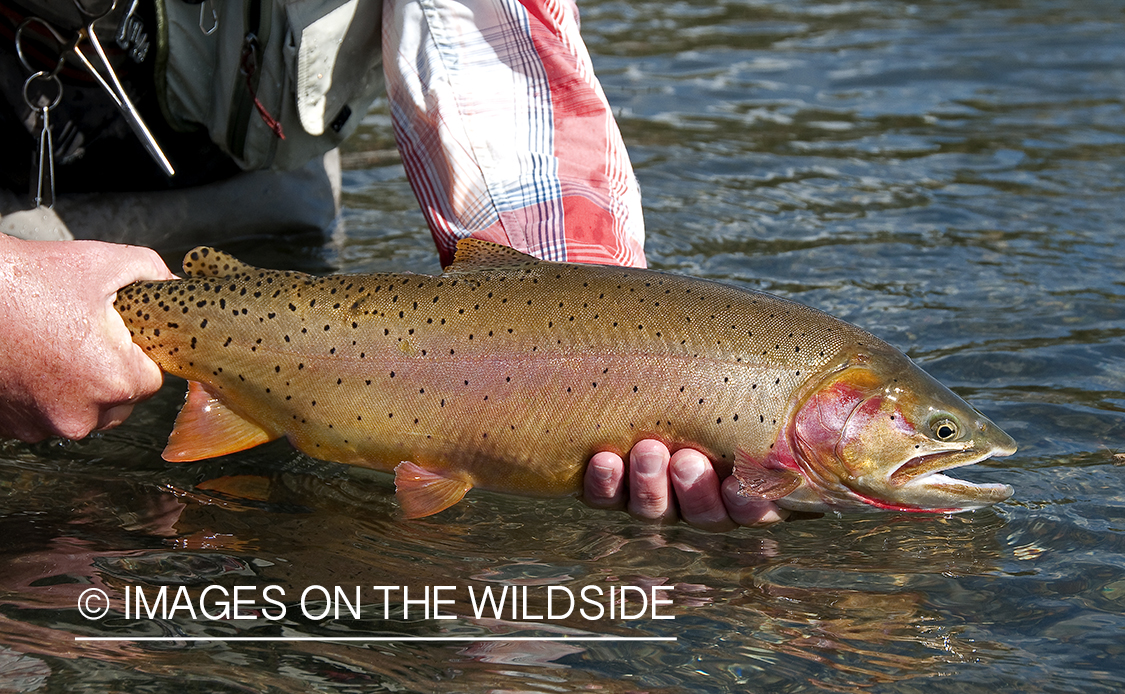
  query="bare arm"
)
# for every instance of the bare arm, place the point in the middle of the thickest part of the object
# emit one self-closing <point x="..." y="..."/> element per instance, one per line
<point x="67" y="364"/>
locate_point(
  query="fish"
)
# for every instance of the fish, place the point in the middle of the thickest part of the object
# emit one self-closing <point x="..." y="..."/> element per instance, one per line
<point x="507" y="373"/>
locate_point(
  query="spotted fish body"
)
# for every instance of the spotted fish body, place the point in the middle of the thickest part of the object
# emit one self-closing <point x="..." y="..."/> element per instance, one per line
<point x="506" y="373"/>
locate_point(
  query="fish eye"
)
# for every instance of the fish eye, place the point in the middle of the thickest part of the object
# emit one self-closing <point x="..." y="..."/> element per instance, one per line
<point x="945" y="429"/>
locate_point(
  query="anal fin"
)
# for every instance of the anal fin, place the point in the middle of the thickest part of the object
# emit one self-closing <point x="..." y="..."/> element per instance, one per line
<point x="754" y="479"/>
<point x="206" y="428"/>
<point x="423" y="493"/>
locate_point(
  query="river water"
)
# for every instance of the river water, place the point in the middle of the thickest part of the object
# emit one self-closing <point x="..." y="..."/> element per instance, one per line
<point x="947" y="174"/>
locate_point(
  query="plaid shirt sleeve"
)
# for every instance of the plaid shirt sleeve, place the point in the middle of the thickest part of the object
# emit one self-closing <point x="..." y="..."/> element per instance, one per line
<point x="505" y="133"/>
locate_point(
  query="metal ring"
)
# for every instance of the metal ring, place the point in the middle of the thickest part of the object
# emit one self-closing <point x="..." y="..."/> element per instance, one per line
<point x="42" y="75"/>
<point x="214" y="18"/>
<point x="63" y="48"/>
<point x="92" y="17"/>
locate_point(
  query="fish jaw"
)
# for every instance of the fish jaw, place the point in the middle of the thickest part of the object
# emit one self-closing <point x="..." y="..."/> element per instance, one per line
<point x="867" y="437"/>
<point x="932" y="491"/>
<point x="921" y="479"/>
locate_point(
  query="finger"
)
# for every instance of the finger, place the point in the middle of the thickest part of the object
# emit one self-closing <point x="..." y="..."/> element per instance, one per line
<point x="146" y="375"/>
<point x="134" y="264"/>
<point x="113" y="416"/>
<point x="650" y="492"/>
<point x="138" y="263"/>
<point x="137" y="375"/>
<point x="697" y="491"/>
<point x="604" y="482"/>
<point x="749" y="510"/>
<point x="129" y="264"/>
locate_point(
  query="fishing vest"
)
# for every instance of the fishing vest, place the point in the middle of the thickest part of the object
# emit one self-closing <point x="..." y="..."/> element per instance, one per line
<point x="275" y="83"/>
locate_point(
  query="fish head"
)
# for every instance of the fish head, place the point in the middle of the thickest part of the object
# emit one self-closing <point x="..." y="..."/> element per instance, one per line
<point x="880" y="432"/>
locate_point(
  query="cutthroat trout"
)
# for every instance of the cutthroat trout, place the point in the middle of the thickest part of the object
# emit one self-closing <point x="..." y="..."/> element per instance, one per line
<point x="508" y="373"/>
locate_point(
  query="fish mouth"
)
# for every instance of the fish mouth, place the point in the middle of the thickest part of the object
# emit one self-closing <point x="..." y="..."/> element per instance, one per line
<point x="923" y="474"/>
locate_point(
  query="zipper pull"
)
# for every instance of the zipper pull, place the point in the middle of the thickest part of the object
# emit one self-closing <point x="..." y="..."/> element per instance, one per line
<point x="248" y="64"/>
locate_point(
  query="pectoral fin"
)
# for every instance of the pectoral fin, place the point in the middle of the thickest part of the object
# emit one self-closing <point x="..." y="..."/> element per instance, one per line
<point x="206" y="428"/>
<point x="769" y="483"/>
<point x="424" y="493"/>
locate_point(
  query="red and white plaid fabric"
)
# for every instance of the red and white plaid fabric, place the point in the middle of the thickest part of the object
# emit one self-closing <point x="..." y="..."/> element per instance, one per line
<point x="505" y="132"/>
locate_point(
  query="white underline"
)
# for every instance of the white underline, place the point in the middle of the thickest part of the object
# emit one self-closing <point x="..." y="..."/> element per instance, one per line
<point x="377" y="638"/>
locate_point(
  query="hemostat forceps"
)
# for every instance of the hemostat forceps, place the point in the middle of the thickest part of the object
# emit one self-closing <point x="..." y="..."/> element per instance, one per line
<point x="112" y="87"/>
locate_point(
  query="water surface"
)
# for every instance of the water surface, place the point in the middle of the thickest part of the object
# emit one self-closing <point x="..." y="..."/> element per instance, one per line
<point x="948" y="175"/>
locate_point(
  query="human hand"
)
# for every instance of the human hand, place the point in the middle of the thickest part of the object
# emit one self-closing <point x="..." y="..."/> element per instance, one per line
<point x="67" y="363"/>
<point x="653" y="475"/>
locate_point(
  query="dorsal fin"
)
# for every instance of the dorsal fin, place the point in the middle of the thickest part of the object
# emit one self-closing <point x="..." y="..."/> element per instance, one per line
<point x="474" y="255"/>
<point x="204" y="261"/>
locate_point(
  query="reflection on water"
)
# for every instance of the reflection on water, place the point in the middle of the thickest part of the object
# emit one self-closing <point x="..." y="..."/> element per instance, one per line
<point x="947" y="175"/>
